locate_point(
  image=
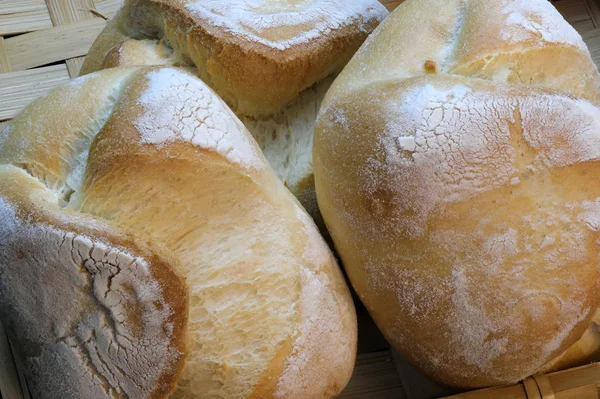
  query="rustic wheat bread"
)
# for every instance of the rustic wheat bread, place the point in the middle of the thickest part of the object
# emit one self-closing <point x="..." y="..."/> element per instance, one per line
<point x="271" y="61"/>
<point x="455" y="163"/>
<point x="139" y="214"/>
<point x="258" y="55"/>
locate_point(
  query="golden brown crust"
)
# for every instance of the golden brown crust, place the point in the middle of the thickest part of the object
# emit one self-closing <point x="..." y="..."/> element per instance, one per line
<point x="584" y="351"/>
<point x="118" y="159"/>
<point x="463" y="208"/>
<point x="258" y="80"/>
<point x="266" y="73"/>
<point x="113" y="34"/>
<point x="49" y="151"/>
<point x="155" y="153"/>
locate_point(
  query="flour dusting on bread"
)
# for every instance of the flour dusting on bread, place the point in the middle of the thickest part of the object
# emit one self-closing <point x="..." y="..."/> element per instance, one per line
<point x="180" y="107"/>
<point x="462" y="199"/>
<point x="535" y="18"/>
<point x="319" y="345"/>
<point x="254" y="19"/>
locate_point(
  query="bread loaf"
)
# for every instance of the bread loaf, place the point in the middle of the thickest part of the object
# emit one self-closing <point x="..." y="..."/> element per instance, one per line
<point x="270" y="61"/>
<point x="147" y="249"/>
<point x="456" y="161"/>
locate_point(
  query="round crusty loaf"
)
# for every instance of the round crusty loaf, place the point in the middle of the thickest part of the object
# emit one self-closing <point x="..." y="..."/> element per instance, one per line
<point x="456" y="161"/>
<point x="268" y="60"/>
<point x="147" y="249"/>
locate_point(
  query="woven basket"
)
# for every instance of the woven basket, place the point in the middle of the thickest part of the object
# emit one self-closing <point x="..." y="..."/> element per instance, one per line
<point x="42" y="44"/>
<point x="577" y="383"/>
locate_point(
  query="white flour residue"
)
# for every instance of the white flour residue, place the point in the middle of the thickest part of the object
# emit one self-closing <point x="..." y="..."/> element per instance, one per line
<point x="316" y="252"/>
<point x="307" y="19"/>
<point x="419" y="292"/>
<point x="501" y="246"/>
<point x="472" y="329"/>
<point x="442" y="145"/>
<point x="590" y="217"/>
<point x="564" y="131"/>
<point x="319" y="333"/>
<point x="340" y="117"/>
<point x="180" y="107"/>
<point x="561" y="335"/>
<point x="486" y="328"/>
<point x="447" y="144"/>
<point x="98" y="309"/>
<point x="540" y="18"/>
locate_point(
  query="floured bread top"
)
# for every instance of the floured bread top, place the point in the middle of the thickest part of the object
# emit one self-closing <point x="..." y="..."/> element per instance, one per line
<point x="180" y="107"/>
<point x="508" y="41"/>
<point x="271" y="61"/>
<point x="455" y="161"/>
<point x="527" y="20"/>
<point x="284" y="24"/>
<point x="140" y="218"/>
<point x="258" y="55"/>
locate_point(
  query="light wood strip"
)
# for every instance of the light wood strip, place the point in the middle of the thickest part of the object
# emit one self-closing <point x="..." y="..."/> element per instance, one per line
<point x="374" y="377"/>
<point x="17" y="89"/>
<point x="4" y="60"/>
<point x="69" y="12"/>
<point x="18" y="16"/>
<point x="24" y="387"/>
<point x="586" y="392"/>
<point x="108" y="8"/>
<point x="576" y="14"/>
<point x="74" y="66"/>
<point x="592" y="39"/>
<point x="9" y="378"/>
<point x="593" y="9"/>
<point x="577" y="383"/>
<point x="576" y="377"/>
<point x="51" y="45"/>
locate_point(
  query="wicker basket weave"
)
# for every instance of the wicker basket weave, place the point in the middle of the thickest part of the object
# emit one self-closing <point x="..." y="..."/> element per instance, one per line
<point x="42" y="44"/>
<point x="577" y="383"/>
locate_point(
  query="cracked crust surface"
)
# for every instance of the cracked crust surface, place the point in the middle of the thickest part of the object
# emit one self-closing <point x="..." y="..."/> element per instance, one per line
<point x="93" y="312"/>
<point x="147" y="208"/>
<point x="455" y="161"/>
